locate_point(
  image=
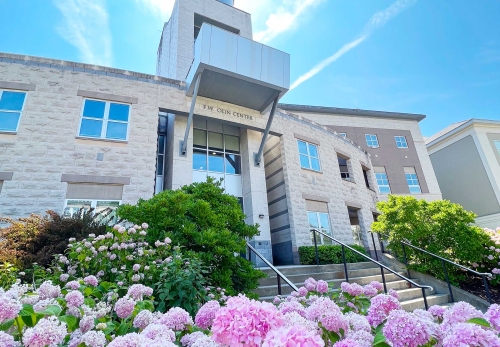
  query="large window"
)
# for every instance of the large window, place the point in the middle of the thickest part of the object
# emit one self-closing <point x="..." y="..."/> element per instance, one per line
<point x="320" y="221"/>
<point x="11" y="107"/>
<point x="309" y="156"/>
<point x="73" y="206"/>
<point x="383" y="183"/>
<point x="401" y="141"/>
<point x="412" y="180"/>
<point x="216" y="152"/>
<point x="104" y="120"/>
<point x="371" y="140"/>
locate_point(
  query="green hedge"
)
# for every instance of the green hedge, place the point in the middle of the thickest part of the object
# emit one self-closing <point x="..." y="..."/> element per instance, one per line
<point x="330" y="255"/>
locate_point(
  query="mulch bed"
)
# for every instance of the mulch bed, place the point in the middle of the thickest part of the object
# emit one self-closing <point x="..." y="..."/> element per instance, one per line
<point x="474" y="285"/>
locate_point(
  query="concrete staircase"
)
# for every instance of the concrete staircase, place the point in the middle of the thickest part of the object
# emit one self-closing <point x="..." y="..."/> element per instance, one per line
<point x="361" y="273"/>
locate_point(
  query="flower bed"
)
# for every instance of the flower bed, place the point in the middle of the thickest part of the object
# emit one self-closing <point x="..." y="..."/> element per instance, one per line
<point x="87" y="312"/>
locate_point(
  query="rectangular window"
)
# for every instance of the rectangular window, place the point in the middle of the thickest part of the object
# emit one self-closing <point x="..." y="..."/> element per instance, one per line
<point x="382" y="180"/>
<point x="344" y="135"/>
<point x="309" y="155"/>
<point x="412" y="180"/>
<point x="73" y="206"/>
<point x="320" y="221"/>
<point x="104" y="120"/>
<point x="344" y="168"/>
<point x="371" y="140"/>
<point x="365" y="175"/>
<point x="11" y="108"/>
<point x="401" y="141"/>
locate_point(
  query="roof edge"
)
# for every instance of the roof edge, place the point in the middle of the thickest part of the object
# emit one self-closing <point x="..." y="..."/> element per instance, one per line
<point x="466" y="124"/>
<point x="352" y="112"/>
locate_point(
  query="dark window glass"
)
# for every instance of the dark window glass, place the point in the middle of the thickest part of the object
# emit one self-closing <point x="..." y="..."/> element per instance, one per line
<point x="232" y="144"/>
<point x="367" y="182"/>
<point x="161" y="144"/>
<point x="233" y="164"/>
<point x="215" y="141"/>
<point x="199" y="138"/>
<point x="159" y="169"/>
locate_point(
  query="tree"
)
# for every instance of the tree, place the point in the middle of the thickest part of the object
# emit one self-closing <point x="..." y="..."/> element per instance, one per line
<point x="440" y="227"/>
<point x="203" y="219"/>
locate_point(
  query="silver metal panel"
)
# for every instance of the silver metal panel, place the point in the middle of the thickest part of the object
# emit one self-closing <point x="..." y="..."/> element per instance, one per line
<point x="249" y="58"/>
<point x="286" y="69"/>
<point x="275" y="70"/>
<point x="223" y="49"/>
<point x="264" y="74"/>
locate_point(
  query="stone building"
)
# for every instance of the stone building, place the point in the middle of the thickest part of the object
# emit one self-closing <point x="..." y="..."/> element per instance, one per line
<point x="74" y="135"/>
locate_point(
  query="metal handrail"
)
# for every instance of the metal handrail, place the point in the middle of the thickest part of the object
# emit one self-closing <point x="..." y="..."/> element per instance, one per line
<point x="279" y="275"/>
<point x="483" y="275"/>
<point x="382" y="266"/>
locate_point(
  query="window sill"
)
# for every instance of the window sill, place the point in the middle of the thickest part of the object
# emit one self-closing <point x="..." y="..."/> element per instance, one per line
<point x="6" y="135"/>
<point x="98" y="139"/>
<point x="350" y="181"/>
<point x="8" y="132"/>
<point x="311" y="170"/>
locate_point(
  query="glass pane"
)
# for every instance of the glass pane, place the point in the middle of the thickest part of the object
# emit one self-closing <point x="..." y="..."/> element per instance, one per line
<point x="215" y="162"/>
<point x="313" y="151"/>
<point x="9" y="121"/>
<point x="199" y="160"/>
<point x="101" y="206"/>
<point x="94" y="109"/>
<point x="304" y="161"/>
<point x="117" y="131"/>
<point x="159" y="167"/>
<point x="326" y="240"/>
<point x="323" y="220"/>
<point x="12" y="101"/>
<point x="302" y="147"/>
<point x="91" y="128"/>
<point x="315" y="164"/>
<point x="415" y="190"/>
<point x="161" y="144"/>
<point x="232" y="144"/>
<point x="74" y="205"/>
<point x="384" y="190"/>
<point x="233" y="164"/>
<point x="119" y="112"/>
<point x="313" y="219"/>
<point x="215" y="141"/>
<point x="199" y="138"/>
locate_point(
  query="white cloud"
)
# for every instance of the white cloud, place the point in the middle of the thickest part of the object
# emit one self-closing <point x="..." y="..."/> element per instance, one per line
<point x="86" y="26"/>
<point x="284" y="18"/>
<point x="378" y="20"/>
<point x="160" y="8"/>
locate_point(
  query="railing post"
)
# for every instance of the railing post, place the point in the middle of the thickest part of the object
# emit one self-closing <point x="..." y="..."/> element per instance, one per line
<point x="487" y="288"/>
<point x="425" y="299"/>
<point x="374" y="247"/>
<point x="383" y="279"/>
<point x="405" y="259"/>
<point x="345" y="265"/>
<point x="279" y="284"/>
<point x="447" y="280"/>
<point x="315" y="246"/>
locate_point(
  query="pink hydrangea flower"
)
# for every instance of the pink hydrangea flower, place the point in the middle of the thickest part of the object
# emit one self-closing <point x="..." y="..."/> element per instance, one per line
<point x="189" y="339"/>
<point x="404" y="329"/>
<point x="303" y="291"/>
<point x="459" y="313"/>
<point x="124" y="307"/>
<point x="145" y="225"/>
<point x="158" y="332"/>
<point x="292" y="306"/>
<point x="47" y="332"/>
<point x="377" y="285"/>
<point x="86" y="323"/>
<point x="9" y="308"/>
<point x="381" y="306"/>
<point x="205" y="316"/>
<point x="138" y="291"/>
<point x="310" y="284"/>
<point x="437" y="311"/>
<point x="7" y="341"/>
<point x="48" y="291"/>
<point x="258" y="317"/>
<point x="370" y="291"/>
<point x="294" y="336"/>
<point x="352" y="289"/>
<point x="347" y="343"/>
<point x="176" y="318"/>
<point x="320" y="308"/>
<point x="393" y="293"/>
<point x="362" y="337"/>
<point x="74" y="299"/>
<point x="357" y="322"/>
<point x="336" y="322"/>
<point x="143" y="319"/>
<point x="91" y="281"/>
<point x="322" y="287"/>
<point x="493" y="316"/>
<point x="465" y="334"/>
<point x="94" y="339"/>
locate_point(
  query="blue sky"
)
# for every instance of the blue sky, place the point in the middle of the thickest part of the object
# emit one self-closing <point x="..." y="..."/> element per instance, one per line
<point x="436" y="57"/>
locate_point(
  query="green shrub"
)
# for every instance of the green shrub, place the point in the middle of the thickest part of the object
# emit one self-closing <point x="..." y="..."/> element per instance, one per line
<point x="8" y="275"/>
<point x="36" y="239"/>
<point x="204" y="220"/>
<point x="330" y="255"/>
<point x="440" y="227"/>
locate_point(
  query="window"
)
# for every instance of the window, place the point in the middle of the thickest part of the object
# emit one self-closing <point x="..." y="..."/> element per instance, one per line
<point x="412" y="180"/>
<point x="344" y="135"/>
<point x="371" y="140"/>
<point x="320" y="221"/>
<point x="104" y="120"/>
<point x="309" y="156"/>
<point x="382" y="180"/>
<point x="344" y="168"/>
<point x="216" y="152"/>
<point x="497" y="145"/>
<point x="401" y="141"/>
<point x="365" y="175"/>
<point x="73" y="206"/>
<point x="11" y="107"/>
<point x="160" y="164"/>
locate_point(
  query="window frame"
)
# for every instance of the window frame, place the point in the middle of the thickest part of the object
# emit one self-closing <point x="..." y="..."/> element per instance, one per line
<point x="413" y="185"/>
<point x="379" y="185"/>
<point x="104" y="120"/>
<point x="399" y="137"/>
<point x="376" y="139"/>
<point x="20" y="112"/>
<point x="309" y="156"/>
<point x="324" y="230"/>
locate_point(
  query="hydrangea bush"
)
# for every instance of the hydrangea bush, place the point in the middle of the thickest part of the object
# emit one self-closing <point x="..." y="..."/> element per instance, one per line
<point x="91" y="313"/>
<point x="491" y="256"/>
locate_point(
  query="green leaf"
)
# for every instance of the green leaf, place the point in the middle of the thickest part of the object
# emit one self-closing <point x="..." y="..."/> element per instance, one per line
<point x="6" y="325"/>
<point x="480" y="321"/>
<point x="51" y="310"/>
<point x="30" y="320"/>
<point x="69" y="320"/>
<point x="122" y="329"/>
<point x="27" y="310"/>
<point x="379" y="339"/>
<point x="89" y="302"/>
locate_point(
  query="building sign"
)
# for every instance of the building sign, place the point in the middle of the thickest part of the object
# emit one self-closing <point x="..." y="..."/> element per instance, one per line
<point x="227" y="112"/>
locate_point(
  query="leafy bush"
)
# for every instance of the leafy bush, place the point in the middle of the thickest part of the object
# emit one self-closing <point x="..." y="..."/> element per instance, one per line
<point x="440" y="227"/>
<point x="203" y="220"/>
<point x="330" y="255"/>
<point x="37" y="239"/>
<point x="8" y="275"/>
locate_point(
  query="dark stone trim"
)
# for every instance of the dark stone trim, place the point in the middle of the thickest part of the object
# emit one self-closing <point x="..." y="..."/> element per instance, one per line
<point x="307" y="139"/>
<point x="107" y="97"/>
<point x="284" y="227"/>
<point x="272" y="161"/>
<point x="315" y="198"/>
<point x="277" y="200"/>
<point x="275" y="186"/>
<point x="6" y="176"/>
<point x="270" y="149"/>
<point x="17" y="86"/>
<point x="353" y="204"/>
<point x="278" y="214"/>
<point x="274" y="173"/>
<point x="95" y="179"/>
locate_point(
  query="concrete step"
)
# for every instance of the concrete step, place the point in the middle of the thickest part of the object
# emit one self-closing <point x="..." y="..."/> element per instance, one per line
<point x="271" y="290"/>
<point x="304" y="269"/>
<point x="436" y="299"/>
<point x="326" y="276"/>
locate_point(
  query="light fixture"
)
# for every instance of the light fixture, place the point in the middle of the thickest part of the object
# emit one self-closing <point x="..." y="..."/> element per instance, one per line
<point x="261" y="216"/>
